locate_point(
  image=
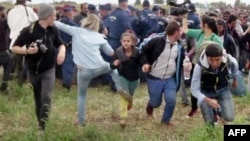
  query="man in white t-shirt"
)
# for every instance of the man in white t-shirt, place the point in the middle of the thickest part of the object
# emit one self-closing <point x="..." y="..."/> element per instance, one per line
<point x="19" y="17"/>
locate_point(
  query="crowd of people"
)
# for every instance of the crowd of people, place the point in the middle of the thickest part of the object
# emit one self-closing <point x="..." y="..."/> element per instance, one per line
<point x="123" y="47"/>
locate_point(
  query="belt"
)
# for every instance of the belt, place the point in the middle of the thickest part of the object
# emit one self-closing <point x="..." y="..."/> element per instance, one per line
<point x="153" y="77"/>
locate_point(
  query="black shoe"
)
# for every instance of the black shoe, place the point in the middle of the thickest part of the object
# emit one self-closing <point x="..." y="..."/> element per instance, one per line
<point x="3" y="87"/>
<point x="66" y="86"/>
<point x="112" y="87"/>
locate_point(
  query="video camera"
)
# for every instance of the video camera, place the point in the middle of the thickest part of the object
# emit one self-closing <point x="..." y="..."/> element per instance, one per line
<point x="179" y="9"/>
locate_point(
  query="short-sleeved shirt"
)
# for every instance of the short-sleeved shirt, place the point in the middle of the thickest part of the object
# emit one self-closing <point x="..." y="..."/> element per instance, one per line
<point x="198" y="34"/>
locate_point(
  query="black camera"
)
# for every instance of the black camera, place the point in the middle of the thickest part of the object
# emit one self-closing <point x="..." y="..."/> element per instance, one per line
<point x="179" y="9"/>
<point x="41" y="46"/>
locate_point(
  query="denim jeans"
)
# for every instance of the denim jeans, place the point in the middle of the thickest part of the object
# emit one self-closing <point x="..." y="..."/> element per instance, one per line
<point x="84" y="76"/>
<point x="156" y="88"/>
<point x="224" y="98"/>
<point x="129" y="87"/>
<point x="68" y="69"/>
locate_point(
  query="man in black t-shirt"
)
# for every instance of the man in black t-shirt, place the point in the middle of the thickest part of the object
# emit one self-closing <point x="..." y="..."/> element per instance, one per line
<point x="40" y="39"/>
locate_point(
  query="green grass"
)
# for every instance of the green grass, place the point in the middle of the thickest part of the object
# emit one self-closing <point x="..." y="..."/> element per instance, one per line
<point x="18" y="121"/>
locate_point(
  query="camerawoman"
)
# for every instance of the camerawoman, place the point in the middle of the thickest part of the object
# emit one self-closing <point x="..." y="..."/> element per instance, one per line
<point x="41" y="39"/>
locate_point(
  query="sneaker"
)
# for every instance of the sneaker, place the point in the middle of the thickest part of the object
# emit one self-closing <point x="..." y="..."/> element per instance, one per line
<point x="76" y="122"/>
<point x="184" y="104"/>
<point x="125" y="95"/>
<point x="149" y="110"/>
<point x="123" y="123"/>
<point x="215" y="119"/>
<point x="191" y="113"/>
<point x="130" y="106"/>
<point x="66" y="87"/>
<point x="169" y="124"/>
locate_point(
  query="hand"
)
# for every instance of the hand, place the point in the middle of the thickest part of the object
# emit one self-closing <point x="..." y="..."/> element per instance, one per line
<point x="212" y="103"/>
<point x="60" y="58"/>
<point x="185" y="15"/>
<point x="32" y="49"/>
<point x="146" y="68"/>
<point x="234" y="83"/>
<point x="248" y="29"/>
<point x="247" y="65"/>
<point x="116" y="62"/>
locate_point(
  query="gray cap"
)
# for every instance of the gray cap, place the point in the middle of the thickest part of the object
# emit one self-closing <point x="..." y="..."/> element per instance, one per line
<point x="45" y="10"/>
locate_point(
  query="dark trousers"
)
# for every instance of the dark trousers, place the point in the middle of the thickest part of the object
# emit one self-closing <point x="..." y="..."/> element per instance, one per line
<point x="68" y="69"/>
<point x="20" y="69"/>
<point x="194" y="103"/>
<point x="5" y="62"/>
<point x="193" y="99"/>
<point x="42" y="88"/>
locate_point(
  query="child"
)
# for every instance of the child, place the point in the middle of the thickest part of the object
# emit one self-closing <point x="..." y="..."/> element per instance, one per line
<point x="126" y="59"/>
<point x="210" y="83"/>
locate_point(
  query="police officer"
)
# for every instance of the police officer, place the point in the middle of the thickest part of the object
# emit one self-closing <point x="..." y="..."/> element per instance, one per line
<point x="133" y="16"/>
<point x="117" y="23"/>
<point x="162" y="22"/>
<point x="104" y="10"/>
<point x="92" y="10"/>
<point x="68" y="65"/>
<point x="193" y="18"/>
<point x="148" y="22"/>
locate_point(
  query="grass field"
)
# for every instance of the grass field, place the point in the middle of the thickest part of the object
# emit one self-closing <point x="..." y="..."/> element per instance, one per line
<point x="18" y="121"/>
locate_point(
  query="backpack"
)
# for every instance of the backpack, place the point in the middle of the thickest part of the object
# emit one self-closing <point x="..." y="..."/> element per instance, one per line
<point x="202" y="47"/>
<point x="240" y="89"/>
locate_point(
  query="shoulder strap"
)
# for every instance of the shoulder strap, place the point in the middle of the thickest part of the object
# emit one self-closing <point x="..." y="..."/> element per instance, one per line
<point x="202" y="67"/>
<point x="31" y="28"/>
<point x="228" y="61"/>
<point x="27" y="14"/>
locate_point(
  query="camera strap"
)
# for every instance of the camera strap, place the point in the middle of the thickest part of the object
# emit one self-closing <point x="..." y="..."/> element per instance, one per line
<point x="31" y="29"/>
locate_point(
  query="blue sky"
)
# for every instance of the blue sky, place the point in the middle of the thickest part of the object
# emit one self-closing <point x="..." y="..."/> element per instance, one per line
<point x="130" y="1"/>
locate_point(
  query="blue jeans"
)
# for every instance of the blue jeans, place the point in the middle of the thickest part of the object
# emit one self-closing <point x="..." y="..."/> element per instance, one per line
<point x="84" y="76"/>
<point x="156" y="88"/>
<point x="68" y="69"/>
<point x="224" y="98"/>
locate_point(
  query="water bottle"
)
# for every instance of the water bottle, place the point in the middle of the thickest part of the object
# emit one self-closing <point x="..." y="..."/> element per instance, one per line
<point x="187" y="66"/>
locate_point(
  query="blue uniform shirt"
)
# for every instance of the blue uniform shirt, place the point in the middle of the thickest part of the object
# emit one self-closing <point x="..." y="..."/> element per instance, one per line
<point x="148" y="23"/>
<point x="66" y="37"/>
<point x="133" y="21"/>
<point x="193" y="21"/>
<point x="117" y="23"/>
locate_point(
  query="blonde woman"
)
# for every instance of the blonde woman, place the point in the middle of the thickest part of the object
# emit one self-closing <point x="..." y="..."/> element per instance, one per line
<point x="86" y="46"/>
